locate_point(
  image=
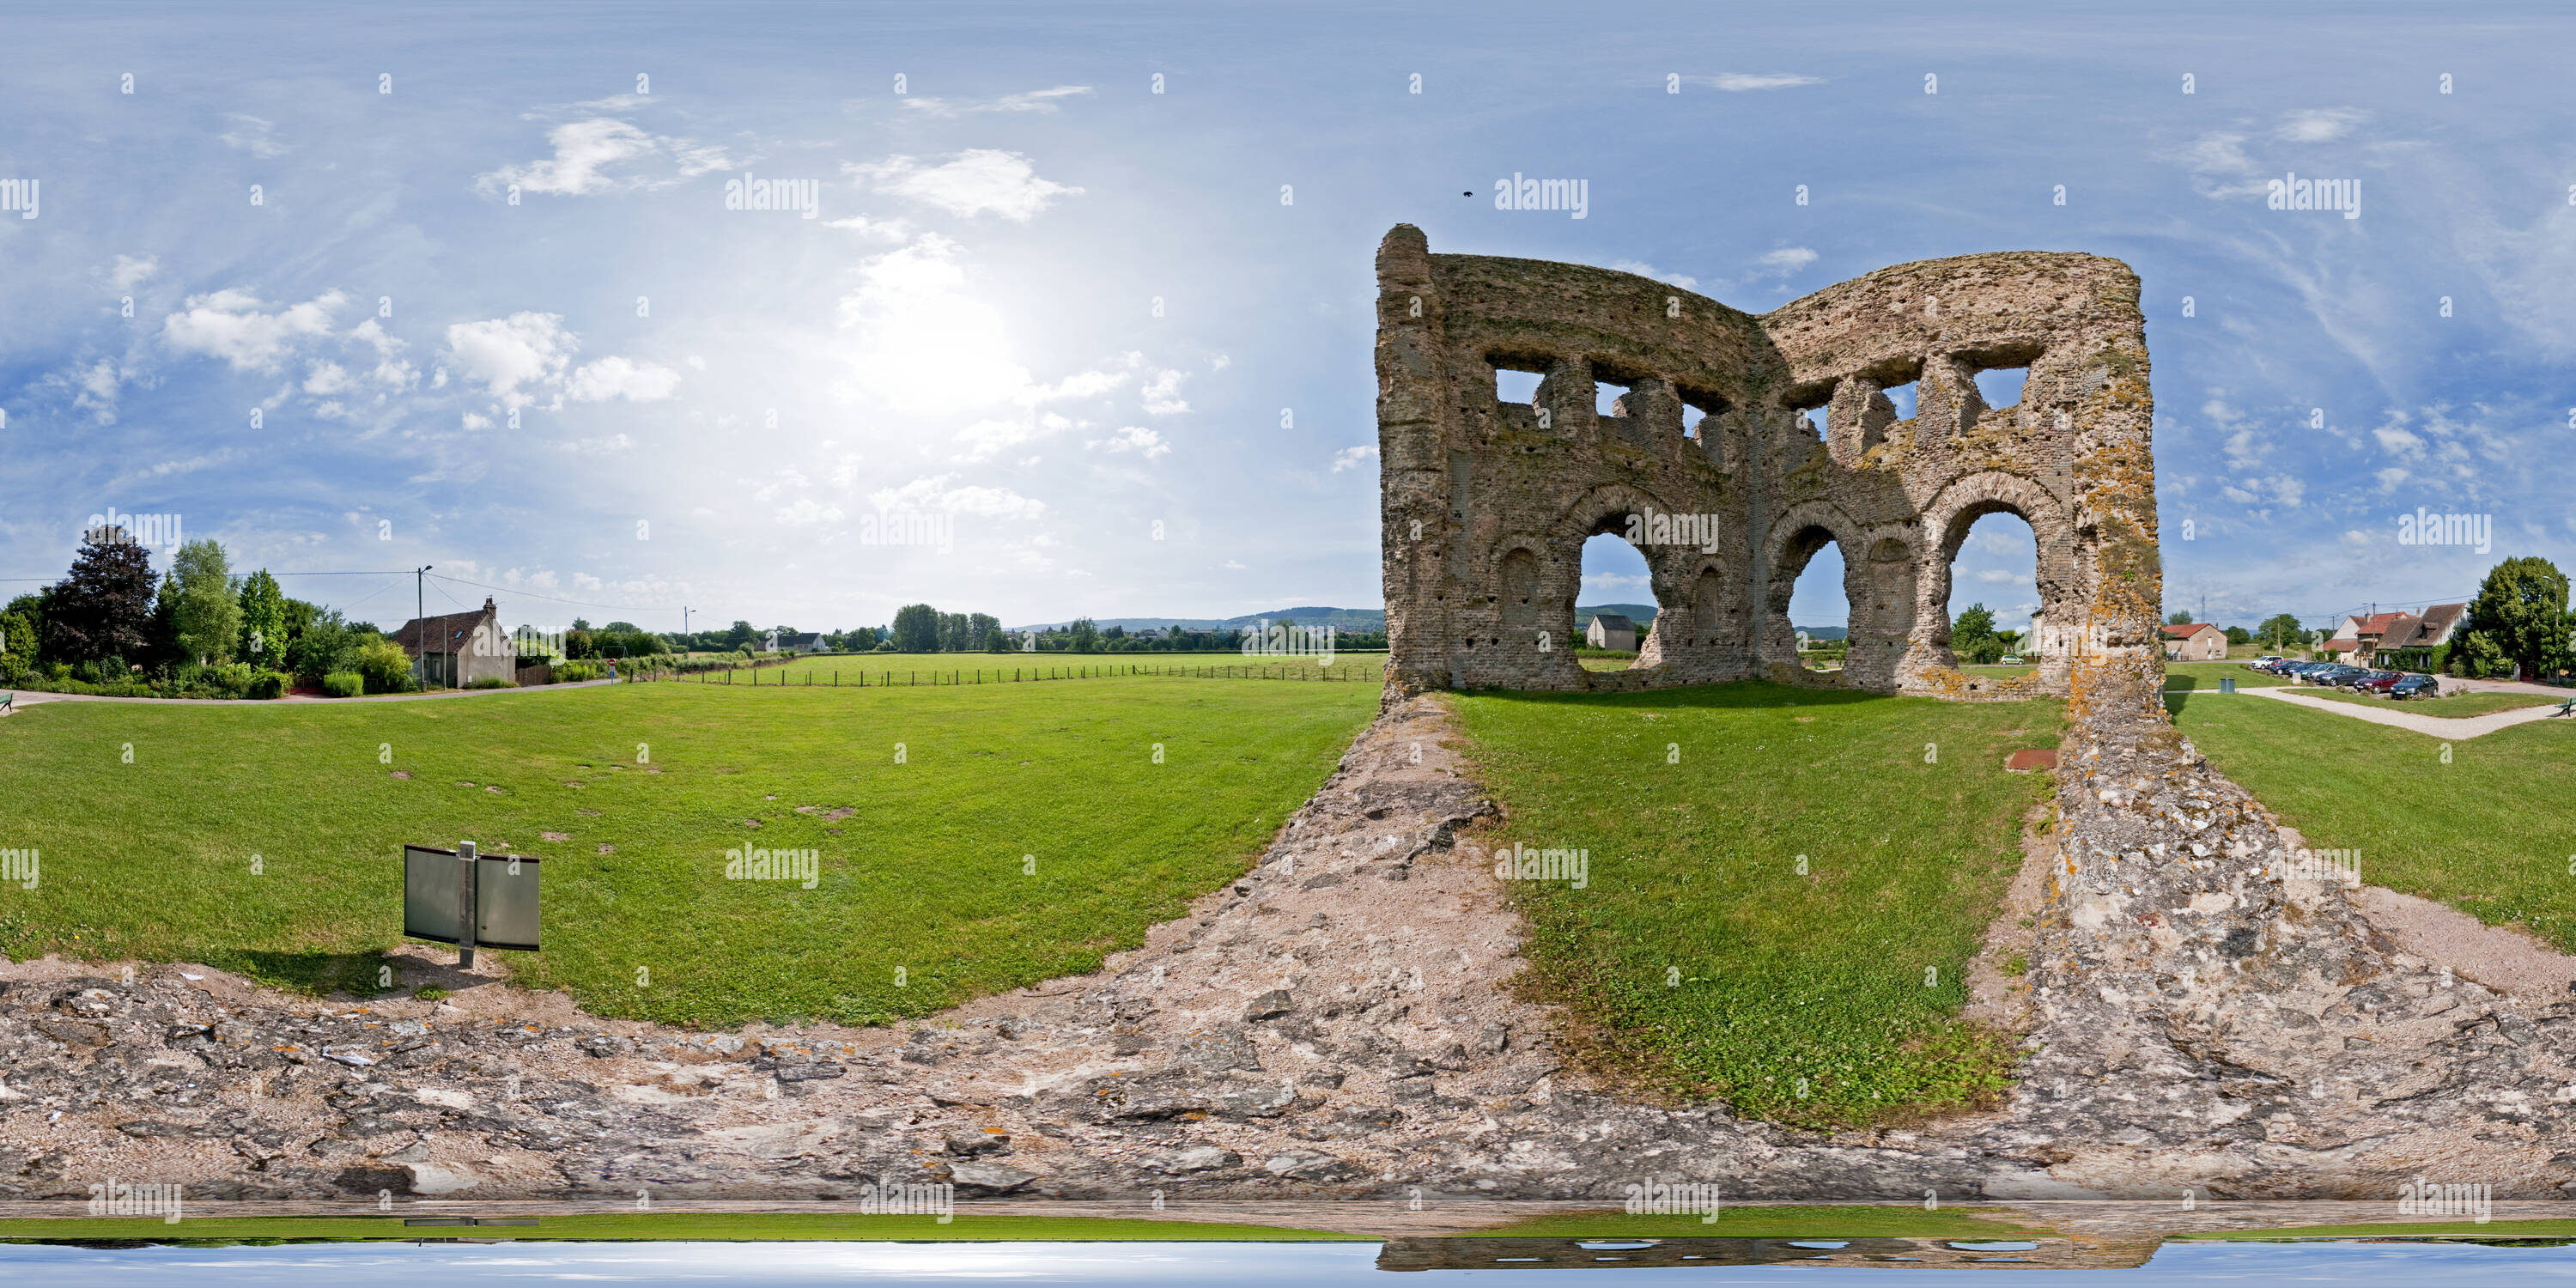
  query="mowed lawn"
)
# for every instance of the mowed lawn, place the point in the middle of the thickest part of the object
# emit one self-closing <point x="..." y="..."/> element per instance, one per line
<point x="928" y="669"/>
<point x="1702" y="959"/>
<point x="2463" y="704"/>
<point x="927" y="873"/>
<point x="2491" y="832"/>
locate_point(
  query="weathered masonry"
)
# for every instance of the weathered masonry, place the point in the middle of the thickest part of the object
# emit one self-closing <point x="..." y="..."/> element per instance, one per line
<point x="1486" y="504"/>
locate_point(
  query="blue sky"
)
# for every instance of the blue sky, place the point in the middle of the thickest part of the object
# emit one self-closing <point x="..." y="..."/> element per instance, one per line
<point x="710" y="402"/>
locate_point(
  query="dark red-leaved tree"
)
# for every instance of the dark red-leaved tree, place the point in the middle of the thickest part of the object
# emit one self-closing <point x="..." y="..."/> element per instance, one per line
<point x="104" y="608"/>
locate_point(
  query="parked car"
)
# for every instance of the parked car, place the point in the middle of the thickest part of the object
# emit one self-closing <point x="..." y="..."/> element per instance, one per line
<point x="2333" y="674"/>
<point x="2415" y="686"/>
<point x="2266" y="662"/>
<point x="2377" y="681"/>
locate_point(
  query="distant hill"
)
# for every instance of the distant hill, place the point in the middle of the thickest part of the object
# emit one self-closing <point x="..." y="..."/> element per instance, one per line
<point x="1641" y="614"/>
<point x="1824" y="632"/>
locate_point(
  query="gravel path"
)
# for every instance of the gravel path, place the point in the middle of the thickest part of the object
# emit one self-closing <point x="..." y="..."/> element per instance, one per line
<point x="2454" y="728"/>
<point x="30" y="698"/>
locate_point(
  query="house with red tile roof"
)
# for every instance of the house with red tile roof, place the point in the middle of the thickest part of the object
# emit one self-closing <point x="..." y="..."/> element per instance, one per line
<point x="2196" y="642"/>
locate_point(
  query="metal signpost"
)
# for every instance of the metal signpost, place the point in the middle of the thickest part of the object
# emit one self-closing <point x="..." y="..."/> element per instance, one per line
<point x="470" y="900"/>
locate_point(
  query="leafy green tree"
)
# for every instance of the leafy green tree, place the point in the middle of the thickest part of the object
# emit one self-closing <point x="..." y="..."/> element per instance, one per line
<point x="1083" y="636"/>
<point x="2476" y="657"/>
<point x="2178" y="617"/>
<point x="104" y="607"/>
<point x="324" y="645"/>
<point x="2281" y="631"/>
<point x="993" y="640"/>
<point x="263" y="635"/>
<point x="2521" y="610"/>
<point x="2239" y="635"/>
<point x="735" y="636"/>
<point x="916" y="629"/>
<point x="1972" y="636"/>
<point x="204" y="613"/>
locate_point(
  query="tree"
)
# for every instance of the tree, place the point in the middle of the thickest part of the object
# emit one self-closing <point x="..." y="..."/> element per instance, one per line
<point x="1083" y="636"/>
<point x="326" y="644"/>
<point x="2239" y="635"/>
<point x="2178" y="617"/>
<point x="104" y="607"/>
<point x="263" y="621"/>
<point x="2521" y="610"/>
<point x="739" y="634"/>
<point x="993" y="640"/>
<point x="916" y="629"/>
<point x="1972" y="636"/>
<point x="2281" y="630"/>
<point x="581" y="623"/>
<point x="204" y="614"/>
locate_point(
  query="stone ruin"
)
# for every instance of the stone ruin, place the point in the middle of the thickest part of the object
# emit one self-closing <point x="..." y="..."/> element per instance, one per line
<point x="1486" y="504"/>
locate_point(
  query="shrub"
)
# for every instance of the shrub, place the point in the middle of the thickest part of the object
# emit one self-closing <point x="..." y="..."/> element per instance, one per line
<point x="343" y="684"/>
<point x="492" y="682"/>
<point x="231" y="679"/>
<point x="268" y="684"/>
<point x="386" y="667"/>
<point x="575" y="672"/>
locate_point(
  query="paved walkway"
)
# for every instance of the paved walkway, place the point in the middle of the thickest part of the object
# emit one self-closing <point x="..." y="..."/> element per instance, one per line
<point x="30" y="698"/>
<point x="2453" y="728"/>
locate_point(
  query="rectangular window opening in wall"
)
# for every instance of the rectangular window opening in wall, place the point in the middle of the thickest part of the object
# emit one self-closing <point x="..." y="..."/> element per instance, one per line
<point x="1697" y="407"/>
<point x="1902" y="398"/>
<point x="1515" y="386"/>
<point x="2001" y="386"/>
<point x="1606" y="396"/>
<point x="1815" y="419"/>
<point x="1691" y="417"/>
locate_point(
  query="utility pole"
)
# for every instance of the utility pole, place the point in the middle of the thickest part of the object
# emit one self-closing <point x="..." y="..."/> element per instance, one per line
<point x="684" y="628"/>
<point x="420" y="619"/>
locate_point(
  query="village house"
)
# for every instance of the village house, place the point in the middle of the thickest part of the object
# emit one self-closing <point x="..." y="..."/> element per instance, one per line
<point x="2196" y="642"/>
<point x="1611" y="631"/>
<point x="2402" y="641"/>
<point x="457" y="649"/>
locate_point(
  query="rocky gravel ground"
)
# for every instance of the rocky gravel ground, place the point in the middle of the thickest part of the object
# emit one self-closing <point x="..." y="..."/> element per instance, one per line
<point x="1333" y="1024"/>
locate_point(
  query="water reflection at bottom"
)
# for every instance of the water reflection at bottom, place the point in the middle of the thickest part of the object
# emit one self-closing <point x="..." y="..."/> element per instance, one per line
<point x="1518" y="1263"/>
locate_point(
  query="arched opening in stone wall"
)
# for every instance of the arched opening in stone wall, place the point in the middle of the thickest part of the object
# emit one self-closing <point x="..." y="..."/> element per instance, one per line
<point x="1819" y="607"/>
<point x="1616" y="585"/>
<point x="1993" y="564"/>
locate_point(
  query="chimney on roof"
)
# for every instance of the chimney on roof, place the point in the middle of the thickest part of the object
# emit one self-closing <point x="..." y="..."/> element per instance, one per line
<point x="487" y="603"/>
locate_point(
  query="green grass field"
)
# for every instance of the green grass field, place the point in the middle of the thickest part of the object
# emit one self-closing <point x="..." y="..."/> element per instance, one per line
<point x="622" y="1226"/>
<point x="2205" y="675"/>
<point x="925" y="873"/>
<point x="925" y="670"/>
<point x="2492" y="831"/>
<point x="2465" y="704"/>
<point x="1702" y="960"/>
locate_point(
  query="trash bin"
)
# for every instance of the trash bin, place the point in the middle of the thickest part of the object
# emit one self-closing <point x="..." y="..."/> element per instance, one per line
<point x="2227" y="684"/>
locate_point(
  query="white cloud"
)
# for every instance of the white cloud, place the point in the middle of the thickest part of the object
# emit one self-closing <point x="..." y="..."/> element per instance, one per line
<point x="1738" y="82"/>
<point x="252" y="135"/>
<point x="616" y="377"/>
<point x="892" y="231"/>
<point x="508" y="353"/>
<point x="131" y="272"/>
<point x="2319" y="124"/>
<point x="1350" y="458"/>
<point x="934" y="493"/>
<point x="476" y="420"/>
<point x="326" y="378"/>
<point x="1134" y="439"/>
<point x="2218" y="165"/>
<point x="1643" y="269"/>
<point x="1220" y="362"/>
<point x="806" y="512"/>
<point x="603" y="446"/>
<point x="602" y="155"/>
<point x="971" y="183"/>
<point x="1041" y="100"/>
<point x="1786" y="260"/>
<point x="924" y="342"/>
<point x="1163" y="396"/>
<point x="231" y="324"/>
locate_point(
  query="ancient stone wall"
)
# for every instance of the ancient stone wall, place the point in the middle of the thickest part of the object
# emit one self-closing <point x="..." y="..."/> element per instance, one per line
<point x="1486" y="504"/>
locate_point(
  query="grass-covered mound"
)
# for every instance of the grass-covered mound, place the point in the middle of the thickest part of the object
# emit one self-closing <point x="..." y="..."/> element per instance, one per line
<point x="1701" y="959"/>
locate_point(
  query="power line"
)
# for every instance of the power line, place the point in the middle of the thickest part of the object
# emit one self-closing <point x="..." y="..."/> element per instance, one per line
<point x="583" y="603"/>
